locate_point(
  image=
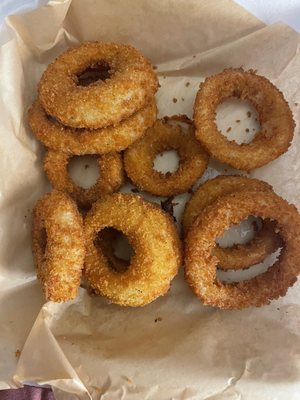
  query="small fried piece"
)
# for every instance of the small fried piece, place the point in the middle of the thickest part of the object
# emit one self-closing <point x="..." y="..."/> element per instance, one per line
<point x="265" y="242"/>
<point x="111" y="176"/>
<point x="58" y="245"/>
<point x="86" y="141"/>
<point x="166" y="134"/>
<point x="130" y="84"/>
<point x="201" y="265"/>
<point x="157" y="250"/>
<point x="275" y="118"/>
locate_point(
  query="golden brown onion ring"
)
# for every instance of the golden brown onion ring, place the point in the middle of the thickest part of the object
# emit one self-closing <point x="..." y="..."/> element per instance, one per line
<point x="85" y="141"/>
<point x="265" y="242"/>
<point x="201" y="265"/>
<point x="111" y="176"/>
<point x="157" y="250"/>
<point x="58" y="245"/>
<point x="275" y="118"/>
<point x="166" y="134"/>
<point x="131" y="85"/>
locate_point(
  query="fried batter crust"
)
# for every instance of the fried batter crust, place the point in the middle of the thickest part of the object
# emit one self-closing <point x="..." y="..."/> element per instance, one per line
<point x="275" y="118"/>
<point x="157" y="250"/>
<point x="265" y="242"/>
<point x="164" y="135"/>
<point x="58" y="245"/>
<point x="201" y="265"/>
<point x="86" y="141"/>
<point x="111" y="176"/>
<point x="131" y="86"/>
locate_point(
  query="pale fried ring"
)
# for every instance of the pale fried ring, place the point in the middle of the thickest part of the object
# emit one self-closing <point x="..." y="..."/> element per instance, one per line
<point x="111" y="176"/>
<point x="157" y="250"/>
<point x="201" y="265"/>
<point x="85" y="141"/>
<point x="58" y="245"/>
<point x="275" y="118"/>
<point x="265" y="242"/>
<point x="132" y="85"/>
<point x="164" y="135"/>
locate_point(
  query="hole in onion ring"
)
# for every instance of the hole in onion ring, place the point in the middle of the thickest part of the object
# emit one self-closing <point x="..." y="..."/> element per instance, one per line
<point x="237" y="120"/>
<point x="84" y="170"/>
<point x="166" y="162"/>
<point x="241" y="233"/>
<point x="249" y="273"/>
<point x="116" y="248"/>
<point x="98" y="71"/>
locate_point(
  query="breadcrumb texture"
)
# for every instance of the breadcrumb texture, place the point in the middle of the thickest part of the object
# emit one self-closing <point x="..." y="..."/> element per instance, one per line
<point x="58" y="246"/>
<point x="201" y="265"/>
<point x="132" y="85"/>
<point x="111" y="176"/>
<point x="157" y="250"/>
<point x="166" y="134"/>
<point x="275" y="118"/>
<point x="265" y="242"/>
<point x="90" y="141"/>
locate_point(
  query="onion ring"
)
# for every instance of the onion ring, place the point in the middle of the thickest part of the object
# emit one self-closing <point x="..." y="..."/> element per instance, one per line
<point x="131" y="85"/>
<point x="110" y="179"/>
<point x="58" y="246"/>
<point x="201" y="266"/>
<point x="265" y="242"/>
<point x="154" y="238"/>
<point x="164" y="135"/>
<point x="275" y="117"/>
<point x="85" y="141"/>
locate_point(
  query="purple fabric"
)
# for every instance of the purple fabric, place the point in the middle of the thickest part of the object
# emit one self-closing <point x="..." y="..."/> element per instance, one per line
<point x="27" y="393"/>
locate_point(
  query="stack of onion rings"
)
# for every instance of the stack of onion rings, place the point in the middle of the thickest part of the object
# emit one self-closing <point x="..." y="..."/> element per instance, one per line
<point x="201" y="265"/>
<point x="264" y="243"/>
<point x="157" y="250"/>
<point x="166" y="134"/>
<point x="86" y="141"/>
<point x="275" y="117"/>
<point x="58" y="246"/>
<point x="130" y="87"/>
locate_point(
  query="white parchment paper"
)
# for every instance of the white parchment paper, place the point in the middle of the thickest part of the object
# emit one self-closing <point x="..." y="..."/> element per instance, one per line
<point x="175" y="348"/>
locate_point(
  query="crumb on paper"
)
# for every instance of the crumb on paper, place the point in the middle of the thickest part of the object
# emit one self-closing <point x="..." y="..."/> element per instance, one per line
<point x="86" y="166"/>
<point x="97" y="389"/>
<point x="174" y="100"/>
<point x="296" y="104"/>
<point x="278" y="309"/>
<point x="187" y="84"/>
<point x="247" y="130"/>
<point x="158" y="319"/>
<point x="253" y="129"/>
<point x="238" y="121"/>
<point x="182" y="98"/>
<point x="127" y="379"/>
<point x="228" y="129"/>
<point x="249" y="114"/>
<point x="256" y="119"/>
<point x="194" y="56"/>
<point x="17" y="353"/>
<point x="154" y="66"/>
<point x="164" y="76"/>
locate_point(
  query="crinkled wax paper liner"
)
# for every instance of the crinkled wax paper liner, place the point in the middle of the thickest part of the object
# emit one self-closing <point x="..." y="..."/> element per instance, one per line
<point x="175" y="347"/>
